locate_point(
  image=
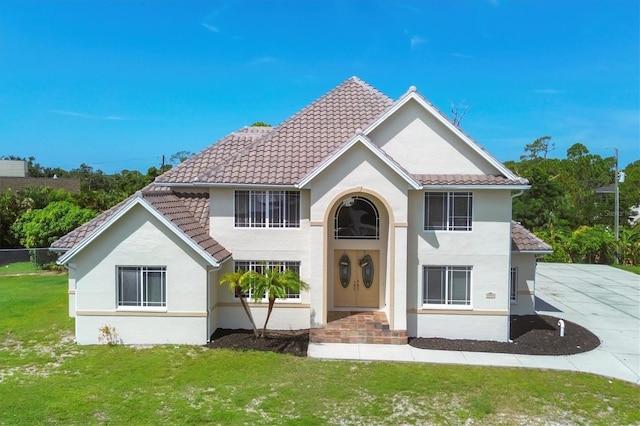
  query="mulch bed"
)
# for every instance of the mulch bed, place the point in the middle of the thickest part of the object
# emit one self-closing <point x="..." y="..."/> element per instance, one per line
<point x="292" y="342"/>
<point x="531" y="335"/>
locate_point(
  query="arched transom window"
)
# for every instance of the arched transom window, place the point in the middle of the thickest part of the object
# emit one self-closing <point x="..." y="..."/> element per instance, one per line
<point x="357" y="218"/>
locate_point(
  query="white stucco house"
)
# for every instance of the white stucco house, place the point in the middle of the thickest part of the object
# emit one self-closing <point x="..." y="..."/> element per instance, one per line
<point x="379" y="205"/>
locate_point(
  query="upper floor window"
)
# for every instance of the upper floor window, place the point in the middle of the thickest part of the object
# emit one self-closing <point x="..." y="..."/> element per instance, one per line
<point x="357" y="218"/>
<point x="142" y="286"/>
<point x="267" y="209"/>
<point x="448" y="211"/>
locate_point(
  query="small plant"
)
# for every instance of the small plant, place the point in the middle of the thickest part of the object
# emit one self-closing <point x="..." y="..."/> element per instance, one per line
<point x="107" y="335"/>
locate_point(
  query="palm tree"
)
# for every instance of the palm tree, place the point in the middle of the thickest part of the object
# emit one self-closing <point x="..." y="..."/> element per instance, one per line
<point x="238" y="282"/>
<point x="275" y="284"/>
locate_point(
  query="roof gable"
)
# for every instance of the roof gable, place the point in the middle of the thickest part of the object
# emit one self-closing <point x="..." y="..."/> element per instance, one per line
<point x="186" y="215"/>
<point x="462" y="145"/>
<point x="363" y="140"/>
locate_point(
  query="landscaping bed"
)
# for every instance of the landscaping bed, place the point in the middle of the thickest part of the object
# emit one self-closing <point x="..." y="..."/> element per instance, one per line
<point x="531" y="334"/>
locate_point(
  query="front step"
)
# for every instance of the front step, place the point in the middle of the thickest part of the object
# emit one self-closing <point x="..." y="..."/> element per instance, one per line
<point x="357" y="327"/>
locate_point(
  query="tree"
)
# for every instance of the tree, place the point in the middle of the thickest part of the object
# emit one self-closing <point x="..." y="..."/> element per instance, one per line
<point x="180" y="157"/>
<point x="275" y="283"/>
<point x="591" y="245"/>
<point x="41" y="227"/>
<point x="236" y="282"/>
<point x="576" y="151"/>
<point x="260" y="124"/>
<point x="458" y="111"/>
<point x="538" y="147"/>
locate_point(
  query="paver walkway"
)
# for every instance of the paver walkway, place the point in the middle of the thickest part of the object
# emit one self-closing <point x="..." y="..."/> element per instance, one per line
<point x="603" y="299"/>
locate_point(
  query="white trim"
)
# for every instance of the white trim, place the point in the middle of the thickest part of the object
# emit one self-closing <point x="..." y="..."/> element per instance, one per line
<point x="137" y="200"/>
<point x="227" y="185"/>
<point x="344" y="148"/>
<point x="412" y="94"/>
<point x="473" y="187"/>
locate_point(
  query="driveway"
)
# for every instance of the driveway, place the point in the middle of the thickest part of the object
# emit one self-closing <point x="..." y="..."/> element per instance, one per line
<point x="604" y="300"/>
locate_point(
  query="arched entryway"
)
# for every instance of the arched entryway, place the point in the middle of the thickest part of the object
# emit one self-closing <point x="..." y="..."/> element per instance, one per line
<point x="357" y="252"/>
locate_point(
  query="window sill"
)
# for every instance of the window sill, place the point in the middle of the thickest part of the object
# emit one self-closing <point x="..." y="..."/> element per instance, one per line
<point x="447" y="307"/>
<point x="140" y="309"/>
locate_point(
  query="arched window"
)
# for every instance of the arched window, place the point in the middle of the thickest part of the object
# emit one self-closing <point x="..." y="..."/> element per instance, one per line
<point x="357" y="218"/>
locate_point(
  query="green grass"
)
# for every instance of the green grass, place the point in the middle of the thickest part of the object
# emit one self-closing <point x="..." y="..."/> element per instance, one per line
<point x="45" y="378"/>
<point x="631" y="268"/>
<point x="18" y="268"/>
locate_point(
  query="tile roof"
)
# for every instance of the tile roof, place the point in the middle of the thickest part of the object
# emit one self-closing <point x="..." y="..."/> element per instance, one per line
<point x="289" y="151"/>
<point x="197" y="167"/>
<point x="281" y="155"/>
<point x="524" y="240"/>
<point x="188" y="211"/>
<point x="468" y="180"/>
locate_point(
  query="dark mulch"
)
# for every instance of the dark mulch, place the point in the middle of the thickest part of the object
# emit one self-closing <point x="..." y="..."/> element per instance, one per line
<point x="293" y="342"/>
<point x="531" y="335"/>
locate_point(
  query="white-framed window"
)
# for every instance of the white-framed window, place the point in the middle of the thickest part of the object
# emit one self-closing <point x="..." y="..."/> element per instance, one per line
<point x="448" y="211"/>
<point x="513" y="284"/>
<point x="141" y="286"/>
<point x="267" y="209"/>
<point x="447" y="285"/>
<point x="258" y="266"/>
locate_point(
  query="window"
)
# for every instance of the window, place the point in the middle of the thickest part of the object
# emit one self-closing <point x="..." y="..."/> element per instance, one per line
<point x="447" y="285"/>
<point x="513" y="284"/>
<point x="267" y="209"/>
<point x="258" y="266"/>
<point x="142" y="286"/>
<point x="448" y="211"/>
<point x="357" y="218"/>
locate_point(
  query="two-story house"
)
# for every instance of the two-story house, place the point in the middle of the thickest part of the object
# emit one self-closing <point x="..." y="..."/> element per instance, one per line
<point x="379" y="205"/>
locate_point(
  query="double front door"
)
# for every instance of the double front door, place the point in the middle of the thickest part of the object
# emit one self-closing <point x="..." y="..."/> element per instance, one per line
<point x="356" y="278"/>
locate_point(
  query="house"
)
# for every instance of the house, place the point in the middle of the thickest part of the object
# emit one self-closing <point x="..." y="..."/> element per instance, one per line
<point x="379" y="205"/>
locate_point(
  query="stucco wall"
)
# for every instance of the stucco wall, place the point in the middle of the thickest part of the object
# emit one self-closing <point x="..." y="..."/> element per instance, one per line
<point x="422" y="144"/>
<point x="526" y="264"/>
<point x="139" y="239"/>
<point x="486" y="249"/>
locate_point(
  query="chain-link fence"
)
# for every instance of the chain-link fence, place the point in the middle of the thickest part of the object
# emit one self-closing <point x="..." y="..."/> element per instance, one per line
<point x="27" y="261"/>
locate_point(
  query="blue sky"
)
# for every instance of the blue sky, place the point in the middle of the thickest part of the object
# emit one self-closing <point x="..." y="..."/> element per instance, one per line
<point x="117" y="84"/>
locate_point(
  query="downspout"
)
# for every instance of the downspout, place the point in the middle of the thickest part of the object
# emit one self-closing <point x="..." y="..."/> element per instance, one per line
<point x="513" y="196"/>
<point x="209" y="312"/>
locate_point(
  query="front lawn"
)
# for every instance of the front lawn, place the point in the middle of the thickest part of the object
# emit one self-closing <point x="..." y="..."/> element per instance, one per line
<point x="45" y="378"/>
<point x="631" y="268"/>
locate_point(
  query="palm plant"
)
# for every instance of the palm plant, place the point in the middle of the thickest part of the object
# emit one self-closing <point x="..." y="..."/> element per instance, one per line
<point x="238" y="283"/>
<point x="275" y="283"/>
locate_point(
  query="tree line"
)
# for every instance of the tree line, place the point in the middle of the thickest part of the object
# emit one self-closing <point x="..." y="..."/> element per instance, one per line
<point x="564" y="208"/>
<point x="37" y="216"/>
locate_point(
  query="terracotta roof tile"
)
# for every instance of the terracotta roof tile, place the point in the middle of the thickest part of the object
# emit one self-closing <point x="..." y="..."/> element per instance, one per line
<point x="285" y="154"/>
<point x="468" y="180"/>
<point x="188" y="211"/>
<point x="524" y="240"/>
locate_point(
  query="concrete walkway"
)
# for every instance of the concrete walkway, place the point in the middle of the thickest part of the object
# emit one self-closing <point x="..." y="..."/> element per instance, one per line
<point x="600" y="298"/>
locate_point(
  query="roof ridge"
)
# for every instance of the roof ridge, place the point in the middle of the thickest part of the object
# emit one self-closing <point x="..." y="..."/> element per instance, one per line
<point x="293" y="118"/>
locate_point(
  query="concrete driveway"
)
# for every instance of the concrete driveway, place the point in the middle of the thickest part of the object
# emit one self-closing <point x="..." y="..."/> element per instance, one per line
<point x="600" y="298"/>
<point x="604" y="300"/>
